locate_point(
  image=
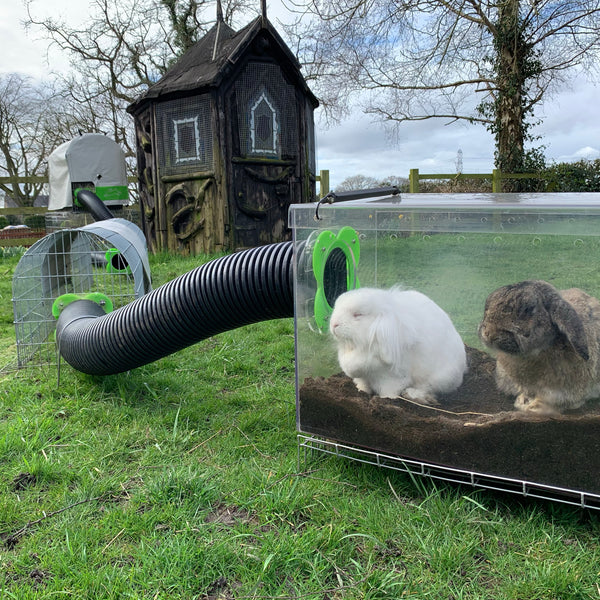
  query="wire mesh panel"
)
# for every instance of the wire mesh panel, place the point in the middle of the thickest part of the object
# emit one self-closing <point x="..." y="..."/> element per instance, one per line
<point x="64" y="262"/>
<point x="184" y="134"/>
<point x="267" y="112"/>
<point x="310" y="137"/>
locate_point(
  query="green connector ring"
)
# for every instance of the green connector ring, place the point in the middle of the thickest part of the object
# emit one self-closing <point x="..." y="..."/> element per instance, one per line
<point x="331" y="249"/>
<point x="115" y="263"/>
<point x="62" y="301"/>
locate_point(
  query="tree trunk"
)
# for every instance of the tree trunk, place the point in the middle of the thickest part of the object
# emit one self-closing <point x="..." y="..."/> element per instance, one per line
<point x="512" y="54"/>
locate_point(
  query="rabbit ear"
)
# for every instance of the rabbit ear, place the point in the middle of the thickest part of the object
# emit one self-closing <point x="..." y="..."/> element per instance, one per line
<point x="568" y="322"/>
<point x="384" y="339"/>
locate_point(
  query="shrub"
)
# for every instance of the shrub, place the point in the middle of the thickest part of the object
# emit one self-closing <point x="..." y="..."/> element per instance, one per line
<point x="580" y="176"/>
<point x="14" y="219"/>
<point x="35" y="221"/>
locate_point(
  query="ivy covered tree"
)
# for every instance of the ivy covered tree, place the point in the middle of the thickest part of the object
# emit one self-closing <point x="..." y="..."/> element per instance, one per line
<point x="487" y="62"/>
<point x="517" y="67"/>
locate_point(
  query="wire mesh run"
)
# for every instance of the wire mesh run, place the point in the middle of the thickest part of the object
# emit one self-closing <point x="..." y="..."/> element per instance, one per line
<point x="64" y="262"/>
<point x="310" y="446"/>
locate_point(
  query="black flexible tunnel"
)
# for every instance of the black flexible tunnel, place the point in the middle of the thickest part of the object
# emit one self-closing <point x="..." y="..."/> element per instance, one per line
<point x="247" y="287"/>
<point x="94" y="205"/>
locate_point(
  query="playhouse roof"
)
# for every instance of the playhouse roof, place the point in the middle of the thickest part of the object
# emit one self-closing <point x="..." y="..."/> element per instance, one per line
<point x="209" y="61"/>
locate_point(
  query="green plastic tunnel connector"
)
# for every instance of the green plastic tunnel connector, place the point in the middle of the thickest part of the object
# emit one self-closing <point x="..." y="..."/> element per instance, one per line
<point x="59" y="304"/>
<point x="75" y="199"/>
<point x="333" y="252"/>
<point x="116" y="263"/>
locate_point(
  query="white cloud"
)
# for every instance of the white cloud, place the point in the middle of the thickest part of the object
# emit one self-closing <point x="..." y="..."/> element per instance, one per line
<point x="587" y="152"/>
<point x="25" y="51"/>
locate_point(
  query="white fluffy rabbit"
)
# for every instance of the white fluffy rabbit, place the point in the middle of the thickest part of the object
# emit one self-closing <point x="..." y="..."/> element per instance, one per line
<point x="397" y="342"/>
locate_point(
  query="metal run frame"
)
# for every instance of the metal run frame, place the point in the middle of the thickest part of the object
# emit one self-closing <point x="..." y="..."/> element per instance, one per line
<point x="313" y="444"/>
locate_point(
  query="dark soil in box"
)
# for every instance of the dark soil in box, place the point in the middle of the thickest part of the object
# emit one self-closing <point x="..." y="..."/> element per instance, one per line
<point x="474" y="429"/>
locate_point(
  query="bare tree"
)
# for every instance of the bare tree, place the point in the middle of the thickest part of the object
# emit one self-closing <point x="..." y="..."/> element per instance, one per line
<point x="122" y="48"/>
<point x="401" y="183"/>
<point x="28" y="133"/>
<point x="365" y="182"/>
<point x="488" y="62"/>
<point x="357" y="182"/>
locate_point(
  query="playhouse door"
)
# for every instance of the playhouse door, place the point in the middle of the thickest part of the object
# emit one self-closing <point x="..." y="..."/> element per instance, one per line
<point x="262" y="194"/>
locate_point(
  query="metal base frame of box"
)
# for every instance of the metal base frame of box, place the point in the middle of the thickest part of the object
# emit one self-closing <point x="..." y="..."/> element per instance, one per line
<point x="310" y="444"/>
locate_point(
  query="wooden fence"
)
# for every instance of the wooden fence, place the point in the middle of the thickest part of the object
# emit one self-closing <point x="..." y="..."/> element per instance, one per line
<point x="323" y="179"/>
<point x="496" y="177"/>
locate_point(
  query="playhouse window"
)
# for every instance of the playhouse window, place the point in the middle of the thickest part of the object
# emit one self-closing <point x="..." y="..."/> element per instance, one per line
<point x="263" y="126"/>
<point x="187" y="140"/>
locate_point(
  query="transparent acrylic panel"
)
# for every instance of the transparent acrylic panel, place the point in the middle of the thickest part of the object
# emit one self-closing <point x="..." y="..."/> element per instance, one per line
<point x="455" y="249"/>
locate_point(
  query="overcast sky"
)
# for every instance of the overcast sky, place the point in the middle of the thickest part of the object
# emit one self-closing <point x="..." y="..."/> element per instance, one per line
<point x="570" y="129"/>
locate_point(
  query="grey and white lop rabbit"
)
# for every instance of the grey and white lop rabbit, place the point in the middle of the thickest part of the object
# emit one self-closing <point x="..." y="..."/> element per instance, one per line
<point x="546" y="343"/>
<point x="397" y="342"/>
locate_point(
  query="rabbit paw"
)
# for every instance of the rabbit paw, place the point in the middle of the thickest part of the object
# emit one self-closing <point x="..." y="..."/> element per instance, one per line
<point x="533" y="405"/>
<point x="522" y="402"/>
<point x="420" y="396"/>
<point x="362" y="385"/>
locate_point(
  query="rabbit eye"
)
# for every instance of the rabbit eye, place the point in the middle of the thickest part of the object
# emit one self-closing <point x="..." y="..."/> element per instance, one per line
<point x="357" y="314"/>
<point x="527" y="311"/>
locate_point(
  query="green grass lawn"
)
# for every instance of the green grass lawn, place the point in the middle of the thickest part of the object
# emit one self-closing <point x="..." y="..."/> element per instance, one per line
<point x="179" y="480"/>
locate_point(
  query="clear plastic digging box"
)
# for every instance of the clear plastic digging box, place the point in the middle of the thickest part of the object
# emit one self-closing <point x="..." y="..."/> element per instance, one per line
<point x="455" y="249"/>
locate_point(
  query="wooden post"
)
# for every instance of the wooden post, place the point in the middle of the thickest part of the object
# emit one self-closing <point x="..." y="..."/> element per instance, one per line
<point x="413" y="181"/>
<point x="323" y="183"/>
<point x="496" y="181"/>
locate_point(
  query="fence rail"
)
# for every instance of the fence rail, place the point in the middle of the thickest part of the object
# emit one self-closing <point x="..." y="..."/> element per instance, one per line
<point x="19" y="180"/>
<point x="24" y="210"/>
<point x="496" y="177"/>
